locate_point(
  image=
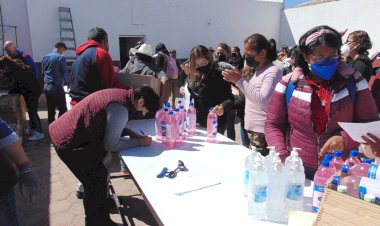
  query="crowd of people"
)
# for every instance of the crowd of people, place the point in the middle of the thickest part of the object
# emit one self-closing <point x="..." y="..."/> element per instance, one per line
<point x="289" y="98"/>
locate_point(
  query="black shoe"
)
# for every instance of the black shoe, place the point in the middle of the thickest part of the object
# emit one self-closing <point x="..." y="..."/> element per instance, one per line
<point x="80" y="194"/>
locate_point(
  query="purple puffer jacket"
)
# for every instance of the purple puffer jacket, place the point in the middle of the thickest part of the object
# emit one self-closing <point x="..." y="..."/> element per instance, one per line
<point x="293" y="128"/>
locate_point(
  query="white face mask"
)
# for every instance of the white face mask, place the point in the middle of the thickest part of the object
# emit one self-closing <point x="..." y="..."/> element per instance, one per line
<point x="345" y="50"/>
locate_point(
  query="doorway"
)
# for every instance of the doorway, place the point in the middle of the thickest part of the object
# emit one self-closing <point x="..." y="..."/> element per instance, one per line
<point x="125" y="43"/>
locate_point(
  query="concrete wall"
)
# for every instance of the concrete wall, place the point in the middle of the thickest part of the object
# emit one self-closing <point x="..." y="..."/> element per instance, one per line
<point x="180" y="24"/>
<point x="351" y="14"/>
<point x="15" y="13"/>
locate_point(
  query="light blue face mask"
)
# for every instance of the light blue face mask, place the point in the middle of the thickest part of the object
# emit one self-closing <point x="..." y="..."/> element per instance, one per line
<point x="325" y="68"/>
<point x="132" y="58"/>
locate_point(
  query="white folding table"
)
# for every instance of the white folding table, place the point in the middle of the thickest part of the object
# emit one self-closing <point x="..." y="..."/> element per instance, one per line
<point x="224" y="161"/>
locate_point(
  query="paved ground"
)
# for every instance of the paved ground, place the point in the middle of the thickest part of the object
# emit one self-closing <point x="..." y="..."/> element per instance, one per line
<point x="58" y="204"/>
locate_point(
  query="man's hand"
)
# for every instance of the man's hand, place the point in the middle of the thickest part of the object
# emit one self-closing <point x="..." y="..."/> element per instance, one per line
<point x="29" y="183"/>
<point x="332" y="144"/>
<point x="145" y="141"/>
<point x="219" y="110"/>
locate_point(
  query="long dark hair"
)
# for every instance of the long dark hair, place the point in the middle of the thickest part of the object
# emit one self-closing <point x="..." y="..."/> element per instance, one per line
<point x="258" y="42"/>
<point x="331" y="39"/>
<point x="199" y="51"/>
<point x="363" y="39"/>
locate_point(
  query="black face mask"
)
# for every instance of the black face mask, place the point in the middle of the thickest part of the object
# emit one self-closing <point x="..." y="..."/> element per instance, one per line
<point x="233" y="55"/>
<point x="221" y="58"/>
<point x="203" y="69"/>
<point x="251" y="62"/>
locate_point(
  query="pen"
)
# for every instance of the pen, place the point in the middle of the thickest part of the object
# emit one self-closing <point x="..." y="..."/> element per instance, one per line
<point x="142" y="132"/>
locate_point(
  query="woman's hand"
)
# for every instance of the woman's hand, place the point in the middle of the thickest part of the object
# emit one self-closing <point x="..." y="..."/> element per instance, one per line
<point x="219" y="110"/>
<point x="332" y="144"/>
<point x="232" y="75"/>
<point x="372" y="144"/>
<point x="182" y="90"/>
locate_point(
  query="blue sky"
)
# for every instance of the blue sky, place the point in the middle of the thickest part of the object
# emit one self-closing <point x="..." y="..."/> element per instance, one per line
<point x="293" y="3"/>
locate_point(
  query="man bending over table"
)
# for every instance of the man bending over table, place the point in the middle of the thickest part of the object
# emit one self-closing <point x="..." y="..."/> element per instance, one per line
<point x="84" y="136"/>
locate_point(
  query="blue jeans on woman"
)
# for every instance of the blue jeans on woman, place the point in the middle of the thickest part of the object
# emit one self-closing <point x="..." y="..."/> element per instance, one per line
<point x="8" y="213"/>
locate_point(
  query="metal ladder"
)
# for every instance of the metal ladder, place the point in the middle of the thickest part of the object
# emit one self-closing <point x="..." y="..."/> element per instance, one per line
<point x="66" y="31"/>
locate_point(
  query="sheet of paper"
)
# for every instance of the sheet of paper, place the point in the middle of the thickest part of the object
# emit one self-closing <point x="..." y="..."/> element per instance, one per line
<point x="194" y="182"/>
<point x="356" y="130"/>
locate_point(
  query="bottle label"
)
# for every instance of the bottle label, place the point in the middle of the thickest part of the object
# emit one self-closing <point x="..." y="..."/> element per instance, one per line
<point x="373" y="171"/>
<point x="163" y="128"/>
<point x="294" y="192"/>
<point x="169" y="132"/>
<point x="246" y="177"/>
<point x="317" y="196"/>
<point x="180" y="128"/>
<point x="259" y="193"/>
<point x="214" y="127"/>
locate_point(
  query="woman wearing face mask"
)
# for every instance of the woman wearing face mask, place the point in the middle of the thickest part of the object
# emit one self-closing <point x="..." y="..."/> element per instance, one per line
<point x="222" y="53"/>
<point x="258" y="90"/>
<point x="356" y="50"/>
<point x="325" y="92"/>
<point x="207" y="87"/>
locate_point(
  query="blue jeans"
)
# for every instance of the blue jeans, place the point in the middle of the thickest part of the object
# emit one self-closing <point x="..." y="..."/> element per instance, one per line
<point x="55" y="98"/>
<point x="243" y="134"/>
<point x="8" y="213"/>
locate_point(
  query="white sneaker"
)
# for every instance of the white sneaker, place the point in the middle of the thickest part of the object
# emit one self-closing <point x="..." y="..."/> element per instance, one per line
<point x="36" y="136"/>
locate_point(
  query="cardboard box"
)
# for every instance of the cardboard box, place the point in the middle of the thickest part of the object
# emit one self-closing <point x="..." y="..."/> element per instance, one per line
<point x="136" y="81"/>
<point x="341" y="209"/>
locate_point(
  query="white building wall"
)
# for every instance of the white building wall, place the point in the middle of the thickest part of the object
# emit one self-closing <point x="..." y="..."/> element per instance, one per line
<point x="180" y="24"/>
<point x="351" y="14"/>
<point x="15" y="13"/>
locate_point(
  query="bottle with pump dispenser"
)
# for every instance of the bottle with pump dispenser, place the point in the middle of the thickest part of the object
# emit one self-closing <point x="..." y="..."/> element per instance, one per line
<point x="276" y="207"/>
<point x="249" y="161"/>
<point x="257" y="189"/>
<point x="295" y="185"/>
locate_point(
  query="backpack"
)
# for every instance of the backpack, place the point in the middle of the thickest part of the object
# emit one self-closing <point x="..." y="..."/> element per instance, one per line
<point x="171" y="67"/>
<point x="350" y="84"/>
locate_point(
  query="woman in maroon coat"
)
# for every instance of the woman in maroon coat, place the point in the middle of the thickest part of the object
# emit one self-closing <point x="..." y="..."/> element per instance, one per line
<point x="322" y="97"/>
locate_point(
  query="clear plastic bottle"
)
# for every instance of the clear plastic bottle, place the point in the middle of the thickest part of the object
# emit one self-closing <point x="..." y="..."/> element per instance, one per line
<point x="353" y="159"/>
<point x="320" y="179"/>
<point x="295" y="182"/>
<point x="335" y="183"/>
<point x="184" y="123"/>
<point x="337" y="161"/>
<point x="257" y="189"/>
<point x="179" y="104"/>
<point x="179" y="119"/>
<point x="164" y="129"/>
<point x="191" y="119"/>
<point x="292" y="157"/>
<point x="276" y="207"/>
<point x="158" y="117"/>
<point x="269" y="158"/>
<point x="249" y="161"/>
<point x="350" y="181"/>
<point x="361" y="169"/>
<point x="329" y="158"/>
<point x="212" y="126"/>
<point x="172" y="130"/>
